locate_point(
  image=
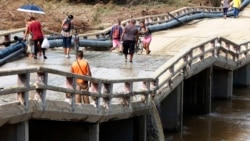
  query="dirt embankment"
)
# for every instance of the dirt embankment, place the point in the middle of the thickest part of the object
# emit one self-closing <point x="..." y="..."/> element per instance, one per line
<point x="88" y="17"/>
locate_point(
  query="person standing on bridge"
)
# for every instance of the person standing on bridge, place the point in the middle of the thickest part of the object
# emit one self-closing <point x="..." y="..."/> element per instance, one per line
<point x="225" y="4"/>
<point x="236" y="6"/>
<point x="146" y="36"/>
<point x="67" y="26"/>
<point x="81" y="67"/>
<point x="130" y="37"/>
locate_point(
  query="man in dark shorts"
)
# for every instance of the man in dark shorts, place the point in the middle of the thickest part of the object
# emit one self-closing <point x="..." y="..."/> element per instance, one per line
<point x="130" y="37"/>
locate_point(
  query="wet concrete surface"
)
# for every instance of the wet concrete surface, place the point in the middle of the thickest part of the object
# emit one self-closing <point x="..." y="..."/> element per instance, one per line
<point x="104" y="64"/>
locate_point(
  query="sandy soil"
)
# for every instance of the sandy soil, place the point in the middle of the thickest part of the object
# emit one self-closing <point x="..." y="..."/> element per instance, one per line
<point x="88" y="17"/>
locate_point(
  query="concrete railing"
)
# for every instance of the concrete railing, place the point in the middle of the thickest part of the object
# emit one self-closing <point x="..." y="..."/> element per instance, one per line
<point x="101" y="89"/>
<point x="217" y="51"/>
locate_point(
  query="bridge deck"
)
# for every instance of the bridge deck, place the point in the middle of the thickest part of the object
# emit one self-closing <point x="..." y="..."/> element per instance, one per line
<point x="165" y="44"/>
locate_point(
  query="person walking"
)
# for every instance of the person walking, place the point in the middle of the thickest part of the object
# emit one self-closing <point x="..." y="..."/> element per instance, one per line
<point x="35" y="29"/>
<point x="236" y="6"/>
<point x="130" y="37"/>
<point x="146" y="36"/>
<point x="225" y="5"/>
<point x="67" y="26"/>
<point x="81" y="67"/>
<point x="116" y="33"/>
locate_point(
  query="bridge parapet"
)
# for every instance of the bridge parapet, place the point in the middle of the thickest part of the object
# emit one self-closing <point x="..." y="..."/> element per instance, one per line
<point x="218" y="51"/>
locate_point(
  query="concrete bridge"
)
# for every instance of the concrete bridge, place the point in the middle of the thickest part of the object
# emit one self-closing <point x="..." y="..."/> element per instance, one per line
<point x="189" y="65"/>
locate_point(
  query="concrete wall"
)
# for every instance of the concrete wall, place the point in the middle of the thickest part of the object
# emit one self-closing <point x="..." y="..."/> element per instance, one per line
<point x="132" y="129"/>
<point x="46" y="130"/>
<point x="241" y="77"/>
<point x="8" y="133"/>
<point x="171" y="110"/>
<point x="14" y="132"/>
<point x="42" y="130"/>
<point x="222" y="83"/>
<point x="197" y="93"/>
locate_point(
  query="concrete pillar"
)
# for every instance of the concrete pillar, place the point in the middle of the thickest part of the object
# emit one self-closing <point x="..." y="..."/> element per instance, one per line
<point x="94" y="130"/>
<point x="241" y="76"/>
<point x="15" y="132"/>
<point x="171" y="109"/>
<point x="222" y="83"/>
<point x="197" y="93"/>
<point x="22" y="131"/>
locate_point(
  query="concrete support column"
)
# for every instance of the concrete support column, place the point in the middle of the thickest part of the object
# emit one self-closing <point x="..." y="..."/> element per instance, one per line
<point x="197" y="93"/>
<point x="241" y="77"/>
<point x="204" y="90"/>
<point x="94" y="130"/>
<point x="22" y="131"/>
<point x="171" y="109"/>
<point x="222" y="83"/>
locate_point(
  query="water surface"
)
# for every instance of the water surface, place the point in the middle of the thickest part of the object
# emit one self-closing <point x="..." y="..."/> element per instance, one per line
<point x="228" y="121"/>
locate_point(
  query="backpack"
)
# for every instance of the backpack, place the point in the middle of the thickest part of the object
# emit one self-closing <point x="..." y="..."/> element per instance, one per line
<point x="116" y="32"/>
<point x="66" y="26"/>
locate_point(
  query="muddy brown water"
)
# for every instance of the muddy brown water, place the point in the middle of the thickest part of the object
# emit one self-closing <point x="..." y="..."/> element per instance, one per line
<point x="228" y="121"/>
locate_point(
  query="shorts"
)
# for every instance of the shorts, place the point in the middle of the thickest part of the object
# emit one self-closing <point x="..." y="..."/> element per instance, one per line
<point x="67" y="42"/>
<point x="82" y="98"/>
<point x="128" y="47"/>
<point x="147" y="39"/>
<point x="82" y="86"/>
<point x="79" y="86"/>
<point x="116" y="43"/>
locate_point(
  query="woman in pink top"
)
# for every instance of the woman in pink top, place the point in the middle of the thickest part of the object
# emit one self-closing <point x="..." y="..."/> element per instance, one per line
<point x="147" y="37"/>
<point x="35" y="29"/>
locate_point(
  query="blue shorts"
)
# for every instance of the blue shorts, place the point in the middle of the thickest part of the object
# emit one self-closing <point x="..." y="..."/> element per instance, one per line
<point x="67" y="42"/>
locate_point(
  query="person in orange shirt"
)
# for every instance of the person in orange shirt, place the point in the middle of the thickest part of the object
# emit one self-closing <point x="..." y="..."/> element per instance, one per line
<point x="81" y="67"/>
